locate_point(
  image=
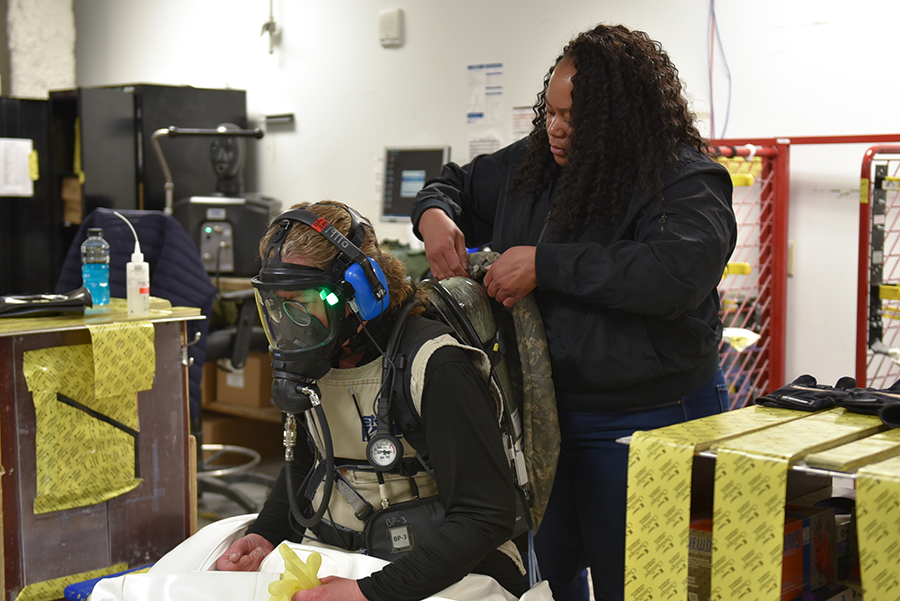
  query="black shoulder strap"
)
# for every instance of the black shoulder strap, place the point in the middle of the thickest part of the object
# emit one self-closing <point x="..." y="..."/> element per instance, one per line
<point x="417" y="331"/>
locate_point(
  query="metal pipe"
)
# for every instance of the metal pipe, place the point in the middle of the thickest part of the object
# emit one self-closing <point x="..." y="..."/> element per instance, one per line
<point x="865" y="241"/>
<point x="782" y="168"/>
<point x="796" y="140"/>
<point x="869" y="156"/>
<point x="174" y="132"/>
<point x="170" y="186"/>
<point x="748" y="150"/>
<point x="219" y="131"/>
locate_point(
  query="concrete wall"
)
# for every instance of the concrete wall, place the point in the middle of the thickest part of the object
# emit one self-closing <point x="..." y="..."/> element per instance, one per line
<point x="40" y="38"/>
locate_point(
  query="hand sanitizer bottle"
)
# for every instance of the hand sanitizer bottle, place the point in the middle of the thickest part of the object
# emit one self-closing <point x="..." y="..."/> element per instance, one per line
<point x="137" y="279"/>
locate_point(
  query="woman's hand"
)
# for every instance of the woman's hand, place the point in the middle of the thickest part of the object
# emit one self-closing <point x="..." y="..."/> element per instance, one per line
<point x="332" y="588"/>
<point x="445" y="244"/>
<point x="512" y="275"/>
<point x="245" y="554"/>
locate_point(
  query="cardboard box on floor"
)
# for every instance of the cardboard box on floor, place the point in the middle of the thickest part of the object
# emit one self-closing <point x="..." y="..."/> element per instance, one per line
<point x="262" y="436"/>
<point x="833" y="592"/>
<point x="250" y="386"/>
<point x="819" y="544"/>
<point x="700" y="559"/>
<point x="208" y="384"/>
<point x="847" y="548"/>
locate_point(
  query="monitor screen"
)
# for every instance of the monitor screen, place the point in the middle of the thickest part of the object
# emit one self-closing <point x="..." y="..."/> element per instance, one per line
<point x="405" y="172"/>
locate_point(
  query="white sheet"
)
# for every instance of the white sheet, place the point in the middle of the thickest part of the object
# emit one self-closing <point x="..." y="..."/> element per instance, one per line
<point x="188" y="573"/>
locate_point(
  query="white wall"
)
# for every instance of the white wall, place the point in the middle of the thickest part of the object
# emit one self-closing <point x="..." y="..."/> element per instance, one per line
<point x="798" y="68"/>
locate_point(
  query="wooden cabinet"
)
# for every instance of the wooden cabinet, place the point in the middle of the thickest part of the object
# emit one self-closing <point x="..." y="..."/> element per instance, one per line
<point x="135" y="528"/>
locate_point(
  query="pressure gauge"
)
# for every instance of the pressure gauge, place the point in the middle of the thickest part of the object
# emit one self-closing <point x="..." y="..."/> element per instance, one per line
<point x="383" y="452"/>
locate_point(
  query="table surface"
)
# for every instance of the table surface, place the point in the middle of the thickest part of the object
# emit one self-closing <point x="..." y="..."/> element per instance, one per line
<point x="160" y="310"/>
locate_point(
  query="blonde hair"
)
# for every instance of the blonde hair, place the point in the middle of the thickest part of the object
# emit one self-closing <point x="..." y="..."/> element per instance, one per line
<point x="313" y="247"/>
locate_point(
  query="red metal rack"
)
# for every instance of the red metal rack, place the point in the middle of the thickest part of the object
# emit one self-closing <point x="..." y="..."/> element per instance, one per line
<point x="756" y="300"/>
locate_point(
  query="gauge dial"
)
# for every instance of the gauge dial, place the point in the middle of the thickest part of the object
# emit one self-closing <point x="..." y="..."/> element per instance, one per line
<point x="382" y="452"/>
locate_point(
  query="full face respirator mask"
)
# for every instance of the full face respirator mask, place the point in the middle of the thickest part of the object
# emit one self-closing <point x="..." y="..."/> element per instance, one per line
<point x="304" y="309"/>
<point x="305" y="322"/>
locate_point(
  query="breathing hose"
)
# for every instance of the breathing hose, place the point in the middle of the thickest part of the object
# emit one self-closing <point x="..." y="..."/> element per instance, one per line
<point x="290" y="440"/>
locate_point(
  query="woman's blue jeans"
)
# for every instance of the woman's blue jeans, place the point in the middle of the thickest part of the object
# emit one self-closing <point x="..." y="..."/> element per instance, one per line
<point x="584" y="526"/>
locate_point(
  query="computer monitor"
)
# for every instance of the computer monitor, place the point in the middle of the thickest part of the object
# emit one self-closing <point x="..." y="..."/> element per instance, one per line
<point x="405" y="172"/>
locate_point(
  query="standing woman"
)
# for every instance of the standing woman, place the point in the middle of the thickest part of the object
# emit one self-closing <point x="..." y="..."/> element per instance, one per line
<point x="614" y="215"/>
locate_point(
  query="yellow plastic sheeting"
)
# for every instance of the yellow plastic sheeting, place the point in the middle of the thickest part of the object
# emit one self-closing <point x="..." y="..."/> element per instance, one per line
<point x="850" y="457"/>
<point x="748" y="507"/>
<point x="741" y="180"/>
<point x="878" y="528"/>
<point x="750" y="494"/>
<point x="49" y="590"/>
<point x="889" y="292"/>
<point x="85" y="443"/>
<point x="659" y="497"/>
<point x="124" y="357"/>
<point x="738" y="268"/>
<point x="658" y="524"/>
<point x="34" y="166"/>
<point x="742" y="166"/>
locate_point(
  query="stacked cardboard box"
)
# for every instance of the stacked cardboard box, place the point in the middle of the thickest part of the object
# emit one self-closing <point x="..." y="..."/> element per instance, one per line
<point x="700" y="560"/>
<point x="811" y="562"/>
<point x="250" y="386"/>
<point x="262" y="436"/>
<point x="819" y="545"/>
<point x="833" y="592"/>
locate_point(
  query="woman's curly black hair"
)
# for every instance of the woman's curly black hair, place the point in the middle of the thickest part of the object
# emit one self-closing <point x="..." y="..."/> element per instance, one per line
<point x="628" y="114"/>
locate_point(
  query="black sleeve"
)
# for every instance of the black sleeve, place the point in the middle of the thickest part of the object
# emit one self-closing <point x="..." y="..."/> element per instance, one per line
<point x="473" y="477"/>
<point x="678" y="254"/>
<point x="274" y="523"/>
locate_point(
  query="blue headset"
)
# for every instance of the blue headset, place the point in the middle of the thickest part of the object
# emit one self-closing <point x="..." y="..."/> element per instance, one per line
<point x="362" y="278"/>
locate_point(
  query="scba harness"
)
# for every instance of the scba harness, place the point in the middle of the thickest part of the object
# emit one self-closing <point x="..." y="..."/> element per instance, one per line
<point x="304" y="315"/>
<point x="386" y="512"/>
<point x="515" y="343"/>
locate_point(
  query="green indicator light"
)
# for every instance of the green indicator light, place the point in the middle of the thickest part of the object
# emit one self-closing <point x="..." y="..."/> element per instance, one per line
<point x="331" y="299"/>
<point x="208" y="229"/>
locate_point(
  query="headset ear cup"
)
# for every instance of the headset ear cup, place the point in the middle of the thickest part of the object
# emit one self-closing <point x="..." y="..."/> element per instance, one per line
<point x="367" y="305"/>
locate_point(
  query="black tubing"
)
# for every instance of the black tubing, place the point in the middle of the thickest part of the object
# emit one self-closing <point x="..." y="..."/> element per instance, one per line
<point x="329" y="478"/>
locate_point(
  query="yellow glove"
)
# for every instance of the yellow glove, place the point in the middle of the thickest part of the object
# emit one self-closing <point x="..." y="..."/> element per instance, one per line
<point x="297" y="575"/>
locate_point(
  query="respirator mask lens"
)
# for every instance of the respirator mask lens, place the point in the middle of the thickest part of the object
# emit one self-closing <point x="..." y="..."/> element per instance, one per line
<point x="299" y="320"/>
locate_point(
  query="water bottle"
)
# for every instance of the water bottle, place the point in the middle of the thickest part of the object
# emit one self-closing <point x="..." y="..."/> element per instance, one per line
<point x="95" y="266"/>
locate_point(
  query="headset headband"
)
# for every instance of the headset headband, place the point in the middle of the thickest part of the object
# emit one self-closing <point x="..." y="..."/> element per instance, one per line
<point x="348" y="251"/>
